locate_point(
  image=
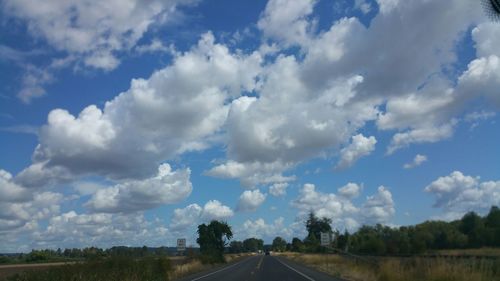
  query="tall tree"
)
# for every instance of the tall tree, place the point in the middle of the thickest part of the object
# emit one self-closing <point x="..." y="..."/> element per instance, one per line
<point x="253" y="244"/>
<point x="212" y="239"/>
<point x="317" y="225"/>
<point x="297" y="245"/>
<point x="279" y="244"/>
<point x="236" y="247"/>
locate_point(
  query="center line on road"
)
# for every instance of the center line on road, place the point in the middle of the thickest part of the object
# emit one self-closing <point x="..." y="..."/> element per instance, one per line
<point x="222" y="269"/>
<point x="260" y="262"/>
<point x="303" y="275"/>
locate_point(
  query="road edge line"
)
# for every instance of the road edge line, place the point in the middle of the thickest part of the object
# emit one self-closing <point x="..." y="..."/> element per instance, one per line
<point x="222" y="269"/>
<point x="303" y="275"/>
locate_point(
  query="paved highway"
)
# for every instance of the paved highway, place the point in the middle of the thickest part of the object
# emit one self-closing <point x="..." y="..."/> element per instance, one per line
<point x="258" y="268"/>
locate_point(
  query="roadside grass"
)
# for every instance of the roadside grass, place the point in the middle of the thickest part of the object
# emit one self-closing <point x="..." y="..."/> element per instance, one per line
<point x="121" y="269"/>
<point x="111" y="269"/>
<point x="195" y="265"/>
<point x="407" y="269"/>
<point x="489" y="252"/>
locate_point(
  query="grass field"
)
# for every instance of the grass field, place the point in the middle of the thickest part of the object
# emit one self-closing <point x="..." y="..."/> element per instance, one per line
<point x="488" y="252"/>
<point x="112" y="269"/>
<point x="408" y="269"/>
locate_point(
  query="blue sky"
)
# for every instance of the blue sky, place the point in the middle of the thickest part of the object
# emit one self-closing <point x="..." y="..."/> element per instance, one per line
<point x="130" y="123"/>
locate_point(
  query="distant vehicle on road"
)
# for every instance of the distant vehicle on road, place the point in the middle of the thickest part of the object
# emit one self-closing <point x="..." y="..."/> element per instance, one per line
<point x="268" y="253"/>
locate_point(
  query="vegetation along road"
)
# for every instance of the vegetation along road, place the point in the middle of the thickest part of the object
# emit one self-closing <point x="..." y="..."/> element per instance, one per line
<point x="262" y="268"/>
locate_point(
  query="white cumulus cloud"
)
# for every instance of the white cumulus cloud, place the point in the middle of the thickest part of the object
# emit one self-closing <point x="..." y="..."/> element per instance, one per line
<point x="177" y="109"/>
<point x="340" y="208"/>
<point x="360" y="146"/>
<point x="136" y="195"/>
<point x="194" y="214"/>
<point x="250" y="200"/>
<point x="278" y="189"/>
<point x="457" y="194"/>
<point x="417" y="161"/>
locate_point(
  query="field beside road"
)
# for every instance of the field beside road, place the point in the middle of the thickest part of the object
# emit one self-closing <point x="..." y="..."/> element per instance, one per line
<point x="12" y="269"/>
<point x="402" y="268"/>
<point x="111" y="269"/>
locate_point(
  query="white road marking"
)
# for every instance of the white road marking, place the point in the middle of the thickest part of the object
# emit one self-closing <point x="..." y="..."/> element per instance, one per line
<point x="222" y="269"/>
<point x="260" y="262"/>
<point x="303" y="275"/>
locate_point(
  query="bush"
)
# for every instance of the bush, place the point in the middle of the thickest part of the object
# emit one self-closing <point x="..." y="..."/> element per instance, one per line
<point x="4" y="259"/>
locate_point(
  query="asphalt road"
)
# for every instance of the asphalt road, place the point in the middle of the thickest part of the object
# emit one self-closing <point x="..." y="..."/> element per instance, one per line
<point x="257" y="268"/>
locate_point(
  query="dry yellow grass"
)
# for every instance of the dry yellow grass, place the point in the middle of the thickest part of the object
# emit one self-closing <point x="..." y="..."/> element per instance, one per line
<point x="188" y="268"/>
<point x="335" y="265"/>
<point x="491" y="252"/>
<point x="403" y="269"/>
<point x="195" y="266"/>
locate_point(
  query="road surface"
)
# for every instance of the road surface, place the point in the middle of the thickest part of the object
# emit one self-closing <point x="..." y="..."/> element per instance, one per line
<point x="258" y="268"/>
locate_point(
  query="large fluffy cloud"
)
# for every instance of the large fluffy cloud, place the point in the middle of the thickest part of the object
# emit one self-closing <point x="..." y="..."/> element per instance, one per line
<point x="20" y="206"/>
<point x="360" y="146"/>
<point x="272" y="111"/>
<point x="71" y="229"/>
<point x="260" y="229"/>
<point x="348" y="75"/>
<point x="10" y="191"/>
<point x="458" y="193"/>
<point x="293" y="15"/>
<point x="306" y="105"/>
<point x="250" y="200"/>
<point x="177" y="109"/>
<point x="193" y="214"/>
<point x="93" y="34"/>
<point x="166" y="188"/>
<point x="93" y="29"/>
<point x="378" y="208"/>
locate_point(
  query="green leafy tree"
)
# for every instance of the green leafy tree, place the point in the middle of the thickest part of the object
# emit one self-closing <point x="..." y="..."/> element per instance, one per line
<point x="493" y="217"/>
<point x="315" y="226"/>
<point x="472" y="225"/>
<point x="343" y="241"/>
<point x="212" y="239"/>
<point x="279" y="244"/>
<point x="297" y="245"/>
<point x="253" y="244"/>
<point x="236" y="247"/>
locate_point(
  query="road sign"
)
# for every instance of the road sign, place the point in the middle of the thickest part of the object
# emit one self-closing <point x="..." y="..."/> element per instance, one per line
<point x="325" y="239"/>
<point x="181" y="245"/>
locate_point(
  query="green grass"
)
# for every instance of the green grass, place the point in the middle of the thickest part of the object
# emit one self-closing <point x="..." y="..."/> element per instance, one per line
<point x="111" y="269"/>
<point x="122" y="269"/>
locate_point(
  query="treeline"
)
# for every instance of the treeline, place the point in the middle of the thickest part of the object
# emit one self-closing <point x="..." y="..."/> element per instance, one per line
<point x="471" y="231"/>
<point x="246" y="246"/>
<point x="88" y="253"/>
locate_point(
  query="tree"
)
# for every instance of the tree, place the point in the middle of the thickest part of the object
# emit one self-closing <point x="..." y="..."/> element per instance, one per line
<point x="472" y="225"/>
<point x="493" y="217"/>
<point x="212" y="239"/>
<point x="236" y="247"/>
<point x="316" y="225"/>
<point x="253" y="244"/>
<point x="297" y="245"/>
<point x="279" y="244"/>
<point x="492" y="223"/>
<point x="343" y="241"/>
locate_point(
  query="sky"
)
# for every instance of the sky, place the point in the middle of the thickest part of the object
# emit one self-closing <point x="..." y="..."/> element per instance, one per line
<point x="132" y="122"/>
